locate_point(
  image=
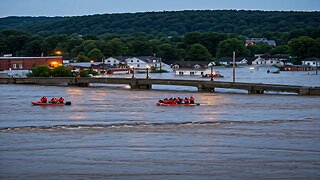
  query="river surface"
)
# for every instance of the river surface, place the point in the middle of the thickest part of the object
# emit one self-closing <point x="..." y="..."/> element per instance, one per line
<point x="112" y="132"/>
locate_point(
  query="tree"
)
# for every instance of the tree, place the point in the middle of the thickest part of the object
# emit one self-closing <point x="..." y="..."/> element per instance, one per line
<point x="82" y="58"/>
<point x="281" y="49"/>
<point x="304" y="47"/>
<point x="33" y="48"/>
<point x="198" y="52"/>
<point x="226" y="48"/>
<point x="39" y="71"/>
<point x="259" y="48"/>
<point x="61" y="71"/>
<point x="95" y="54"/>
<point x="117" y="47"/>
<point x="167" y="51"/>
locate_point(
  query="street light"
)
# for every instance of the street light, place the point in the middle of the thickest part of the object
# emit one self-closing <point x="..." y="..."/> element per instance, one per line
<point x="132" y="70"/>
<point x="148" y="67"/>
<point x="58" y="53"/>
<point x="211" y="71"/>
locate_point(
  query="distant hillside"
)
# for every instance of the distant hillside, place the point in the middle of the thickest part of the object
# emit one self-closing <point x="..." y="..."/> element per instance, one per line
<point x="167" y="23"/>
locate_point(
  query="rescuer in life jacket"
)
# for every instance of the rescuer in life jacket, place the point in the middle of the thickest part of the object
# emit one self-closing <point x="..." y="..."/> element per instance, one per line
<point x="61" y="100"/>
<point x="43" y="99"/>
<point x="186" y="100"/>
<point x="192" y="100"/>
<point x="54" y="100"/>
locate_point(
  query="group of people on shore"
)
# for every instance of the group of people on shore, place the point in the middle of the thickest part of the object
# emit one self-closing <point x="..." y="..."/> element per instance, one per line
<point x="178" y="100"/>
<point x="53" y="100"/>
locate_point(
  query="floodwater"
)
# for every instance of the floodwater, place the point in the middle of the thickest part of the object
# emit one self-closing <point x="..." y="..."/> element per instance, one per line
<point x="112" y="132"/>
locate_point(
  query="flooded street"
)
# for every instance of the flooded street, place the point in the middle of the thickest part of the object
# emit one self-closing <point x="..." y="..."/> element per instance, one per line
<point x="113" y="132"/>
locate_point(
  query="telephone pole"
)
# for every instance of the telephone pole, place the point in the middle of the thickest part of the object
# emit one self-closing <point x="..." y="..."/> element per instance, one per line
<point x="234" y="67"/>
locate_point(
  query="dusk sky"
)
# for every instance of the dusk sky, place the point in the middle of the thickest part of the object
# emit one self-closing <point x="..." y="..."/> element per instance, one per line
<point x="89" y="7"/>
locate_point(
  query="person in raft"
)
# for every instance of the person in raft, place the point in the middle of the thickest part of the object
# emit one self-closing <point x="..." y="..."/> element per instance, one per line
<point x="61" y="100"/>
<point x="54" y="100"/>
<point x="43" y="99"/>
<point x="186" y="100"/>
<point x="191" y="100"/>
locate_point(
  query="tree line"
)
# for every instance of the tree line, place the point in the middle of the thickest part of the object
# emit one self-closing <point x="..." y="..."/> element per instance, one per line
<point x="167" y="23"/>
<point x="193" y="46"/>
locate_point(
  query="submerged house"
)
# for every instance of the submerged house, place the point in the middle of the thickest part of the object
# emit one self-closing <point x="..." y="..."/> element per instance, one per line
<point x="229" y="61"/>
<point x="272" y="60"/>
<point x="312" y="61"/>
<point x="191" y="67"/>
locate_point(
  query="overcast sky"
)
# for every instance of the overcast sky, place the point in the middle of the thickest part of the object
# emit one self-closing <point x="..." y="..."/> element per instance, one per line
<point x="89" y="7"/>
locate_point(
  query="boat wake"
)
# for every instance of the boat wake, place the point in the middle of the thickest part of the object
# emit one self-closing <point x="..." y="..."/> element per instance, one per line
<point x="149" y="125"/>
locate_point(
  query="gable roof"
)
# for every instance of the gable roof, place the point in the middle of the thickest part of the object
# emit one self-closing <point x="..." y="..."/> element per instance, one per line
<point x="191" y="64"/>
<point x="230" y="59"/>
<point x="282" y="56"/>
<point x="311" y="59"/>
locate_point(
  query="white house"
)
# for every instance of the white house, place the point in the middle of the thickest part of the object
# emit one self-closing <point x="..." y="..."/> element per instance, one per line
<point x="116" y="61"/>
<point x="312" y="61"/>
<point x="136" y="63"/>
<point x="229" y="60"/>
<point x="139" y="62"/>
<point x="191" y="68"/>
<point x="271" y="60"/>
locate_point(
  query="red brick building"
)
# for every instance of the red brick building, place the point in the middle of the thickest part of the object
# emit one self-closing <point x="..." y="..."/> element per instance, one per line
<point x="26" y="63"/>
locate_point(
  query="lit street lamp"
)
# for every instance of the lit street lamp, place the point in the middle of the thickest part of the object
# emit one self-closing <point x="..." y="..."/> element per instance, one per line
<point x="132" y="70"/>
<point x="148" y="67"/>
<point x="58" y="53"/>
<point x="211" y="71"/>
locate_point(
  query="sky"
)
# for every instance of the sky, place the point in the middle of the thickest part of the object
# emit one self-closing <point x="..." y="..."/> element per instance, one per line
<point x="90" y="7"/>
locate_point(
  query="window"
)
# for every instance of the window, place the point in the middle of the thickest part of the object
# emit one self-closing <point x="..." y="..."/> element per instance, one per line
<point x="138" y="65"/>
<point x="114" y="61"/>
<point x="131" y="60"/>
<point x="108" y="60"/>
<point x="137" y="60"/>
<point x="314" y="63"/>
<point x="202" y="73"/>
<point x="191" y="72"/>
<point x="14" y="66"/>
<point x="180" y="73"/>
<point x="20" y="66"/>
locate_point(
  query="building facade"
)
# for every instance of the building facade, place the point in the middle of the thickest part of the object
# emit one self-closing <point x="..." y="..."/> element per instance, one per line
<point x="313" y="61"/>
<point x="27" y="63"/>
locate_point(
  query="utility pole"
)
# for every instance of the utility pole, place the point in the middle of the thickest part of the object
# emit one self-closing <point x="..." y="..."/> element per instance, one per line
<point x="160" y="66"/>
<point x="211" y="74"/>
<point x="317" y="65"/>
<point x="234" y="67"/>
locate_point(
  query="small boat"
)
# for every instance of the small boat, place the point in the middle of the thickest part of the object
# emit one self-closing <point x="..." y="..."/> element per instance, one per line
<point x="163" y="104"/>
<point x="50" y="104"/>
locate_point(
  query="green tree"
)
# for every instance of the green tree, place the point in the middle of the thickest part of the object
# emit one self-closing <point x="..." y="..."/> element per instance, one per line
<point x="39" y="71"/>
<point x="167" y="51"/>
<point x="259" y="48"/>
<point x="304" y="47"/>
<point x="95" y="54"/>
<point x="82" y="58"/>
<point x="61" y="71"/>
<point x="198" y="52"/>
<point x="226" y="48"/>
<point x="281" y="49"/>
